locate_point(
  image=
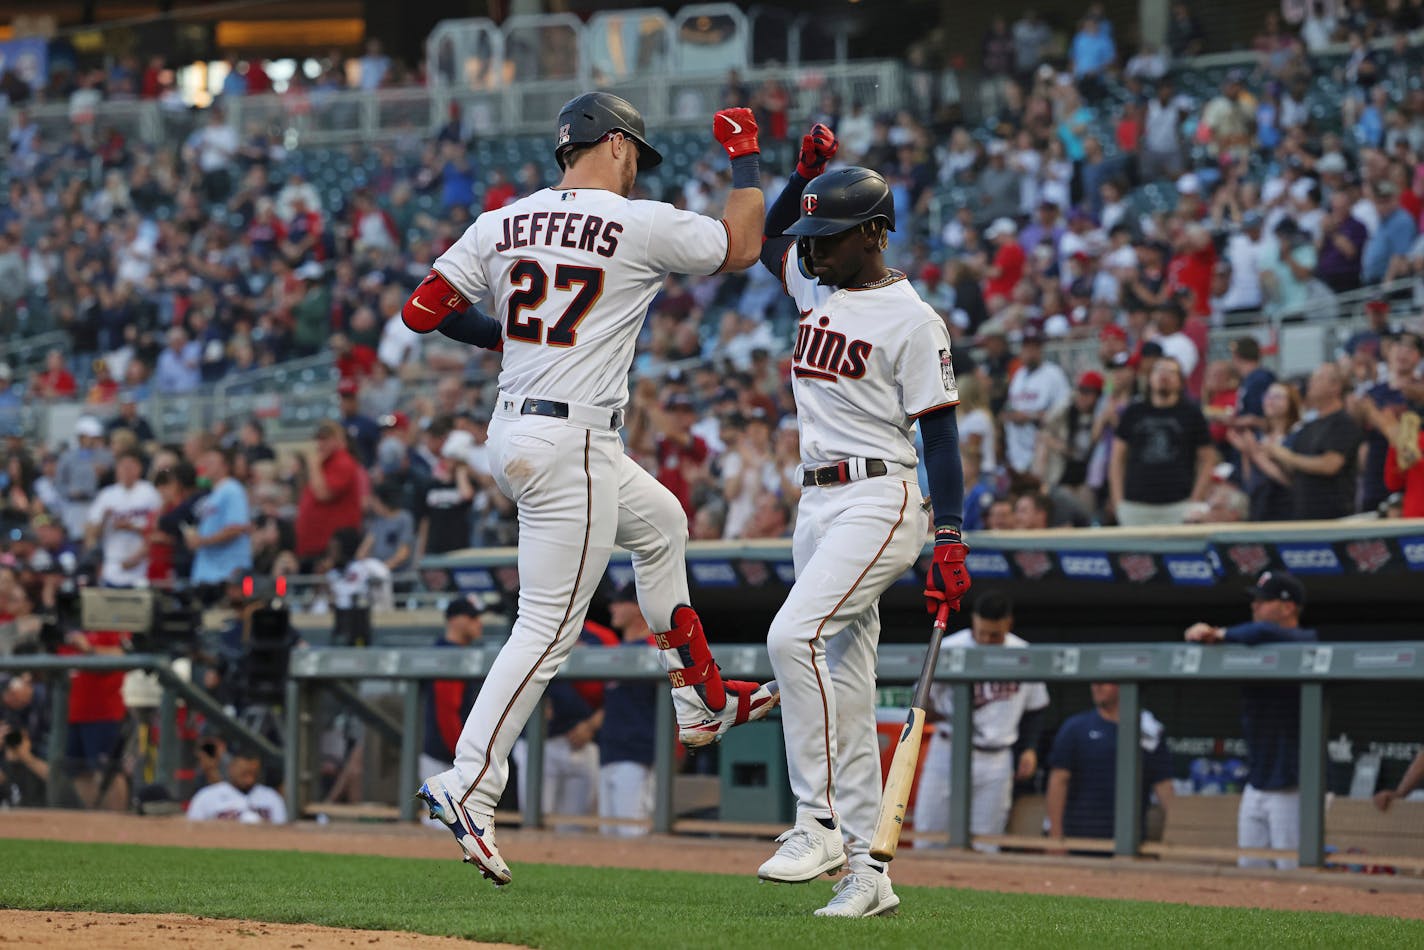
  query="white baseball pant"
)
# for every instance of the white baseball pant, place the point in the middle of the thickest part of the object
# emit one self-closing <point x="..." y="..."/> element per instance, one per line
<point x="992" y="779"/>
<point x="852" y="542"/>
<point x="578" y="495"/>
<point x="1268" y="820"/>
<point x="625" y="790"/>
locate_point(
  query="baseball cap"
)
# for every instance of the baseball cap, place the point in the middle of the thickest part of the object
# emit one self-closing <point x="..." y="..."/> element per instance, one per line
<point x="1111" y="331"/>
<point x="1152" y="349"/>
<point x="89" y="427"/>
<point x="5" y="371"/>
<point x="1377" y="305"/>
<point x="1331" y="163"/>
<point x="1032" y="333"/>
<point x="467" y="605"/>
<point x="1091" y="379"/>
<point x="1189" y="184"/>
<point x="1121" y="360"/>
<point x="623" y="594"/>
<point x="1000" y="227"/>
<point x="1278" y="585"/>
<point x="1252" y="220"/>
<point x="347" y="387"/>
<point x="678" y="401"/>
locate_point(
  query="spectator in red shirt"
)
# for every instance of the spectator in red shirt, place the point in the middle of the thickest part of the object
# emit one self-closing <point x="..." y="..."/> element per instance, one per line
<point x="682" y="456"/>
<point x="1008" y="264"/>
<point x="1191" y="268"/>
<point x="500" y="192"/>
<point x="332" y="496"/>
<point x="55" y="382"/>
<point x="96" y="719"/>
<point x="1404" y="470"/>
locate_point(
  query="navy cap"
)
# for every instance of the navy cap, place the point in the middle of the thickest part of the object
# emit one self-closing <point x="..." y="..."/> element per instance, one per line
<point x="1278" y="585"/>
<point x="465" y="606"/>
<point x="623" y="594"/>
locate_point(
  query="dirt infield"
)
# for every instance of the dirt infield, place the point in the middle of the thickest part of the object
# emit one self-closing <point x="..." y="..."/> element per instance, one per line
<point x="1080" y="877"/>
<point x="42" y="928"/>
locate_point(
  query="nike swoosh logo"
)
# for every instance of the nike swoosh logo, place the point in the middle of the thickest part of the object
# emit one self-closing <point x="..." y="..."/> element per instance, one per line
<point x="479" y="832"/>
<point x="421" y="306"/>
<point x="736" y="127"/>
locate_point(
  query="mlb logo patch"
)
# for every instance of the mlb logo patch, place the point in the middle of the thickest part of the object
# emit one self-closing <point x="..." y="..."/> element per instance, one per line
<point x="808" y="203"/>
<point x="564" y="135"/>
<point x="567" y="196"/>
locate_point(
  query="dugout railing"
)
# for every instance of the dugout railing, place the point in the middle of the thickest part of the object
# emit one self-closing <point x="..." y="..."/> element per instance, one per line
<point x="1315" y="667"/>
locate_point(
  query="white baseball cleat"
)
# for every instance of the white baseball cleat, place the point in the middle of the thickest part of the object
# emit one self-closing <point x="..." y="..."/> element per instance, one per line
<point x="861" y="893"/>
<point x="475" y="837"/>
<point x="807" y="851"/>
<point x="699" y="726"/>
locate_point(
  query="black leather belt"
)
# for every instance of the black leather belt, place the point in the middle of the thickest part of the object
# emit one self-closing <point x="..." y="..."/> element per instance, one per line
<point x="992" y="748"/>
<point x="839" y="473"/>
<point x="560" y="410"/>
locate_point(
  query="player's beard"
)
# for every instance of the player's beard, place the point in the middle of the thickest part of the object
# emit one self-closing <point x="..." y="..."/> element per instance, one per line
<point x="629" y="172"/>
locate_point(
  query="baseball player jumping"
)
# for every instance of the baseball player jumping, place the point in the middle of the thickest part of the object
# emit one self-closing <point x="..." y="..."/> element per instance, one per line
<point x="569" y="273"/>
<point x="870" y="358"/>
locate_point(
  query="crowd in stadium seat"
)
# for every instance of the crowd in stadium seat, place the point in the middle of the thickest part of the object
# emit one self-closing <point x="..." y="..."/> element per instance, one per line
<point x="1107" y="197"/>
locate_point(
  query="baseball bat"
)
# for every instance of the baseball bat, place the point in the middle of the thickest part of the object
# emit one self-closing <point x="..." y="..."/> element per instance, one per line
<point x="907" y="754"/>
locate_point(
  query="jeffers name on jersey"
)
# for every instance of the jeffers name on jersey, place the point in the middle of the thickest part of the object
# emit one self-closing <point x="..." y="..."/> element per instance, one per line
<point x="567" y="229"/>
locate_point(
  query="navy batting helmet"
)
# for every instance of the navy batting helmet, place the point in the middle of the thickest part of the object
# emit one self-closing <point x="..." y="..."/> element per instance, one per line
<point x="586" y="119"/>
<point x="842" y="199"/>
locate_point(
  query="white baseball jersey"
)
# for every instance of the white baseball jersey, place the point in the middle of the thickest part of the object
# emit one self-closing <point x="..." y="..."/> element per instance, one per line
<point x="1041" y="389"/>
<point x="223" y="802"/>
<point x="998" y="707"/>
<point x="867" y="363"/>
<point x="576" y="269"/>
<point x="127" y="514"/>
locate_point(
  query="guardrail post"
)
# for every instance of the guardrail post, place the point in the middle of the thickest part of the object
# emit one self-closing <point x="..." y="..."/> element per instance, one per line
<point x="168" y="744"/>
<point x="1127" y="789"/>
<point x="664" y="763"/>
<point x="533" y="804"/>
<point x="411" y="741"/>
<point x="292" y="753"/>
<point x="1312" y="775"/>
<point x="961" y="751"/>
<point x="58" y="738"/>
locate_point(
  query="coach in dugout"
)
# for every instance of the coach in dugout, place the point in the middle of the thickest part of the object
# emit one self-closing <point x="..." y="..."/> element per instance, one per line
<point x="1270" y="720"/>
<point x="448" y="702"/>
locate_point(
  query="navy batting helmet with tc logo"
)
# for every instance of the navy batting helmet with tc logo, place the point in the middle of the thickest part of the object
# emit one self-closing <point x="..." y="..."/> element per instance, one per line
<point x="586" y="119"/>
<point x="842" y="199"/>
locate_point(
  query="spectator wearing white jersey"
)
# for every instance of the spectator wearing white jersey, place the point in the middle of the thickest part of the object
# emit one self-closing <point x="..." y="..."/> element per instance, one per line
<point x="122" y="515"/>
<point x="1037" y="391"/>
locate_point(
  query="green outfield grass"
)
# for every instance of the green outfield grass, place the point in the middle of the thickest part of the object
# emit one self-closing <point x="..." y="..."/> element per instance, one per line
<point x="553" y="906"/>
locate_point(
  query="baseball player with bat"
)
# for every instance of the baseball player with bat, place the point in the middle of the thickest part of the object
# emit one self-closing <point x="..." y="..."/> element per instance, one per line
<point x="569" y="273"/>
<point x="870" y="358"/>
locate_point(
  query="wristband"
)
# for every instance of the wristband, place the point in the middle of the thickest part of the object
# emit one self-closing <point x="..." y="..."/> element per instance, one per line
<point x="746" y="171"/>
<point x="948" y="535"/>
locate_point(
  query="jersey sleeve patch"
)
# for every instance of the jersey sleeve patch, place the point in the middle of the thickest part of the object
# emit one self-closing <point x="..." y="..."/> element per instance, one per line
<point x="926" y="371"/>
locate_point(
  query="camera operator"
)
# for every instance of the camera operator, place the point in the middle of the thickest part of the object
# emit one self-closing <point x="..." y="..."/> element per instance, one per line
<point x="24" y="727"/>
<point x="96" y="720"/>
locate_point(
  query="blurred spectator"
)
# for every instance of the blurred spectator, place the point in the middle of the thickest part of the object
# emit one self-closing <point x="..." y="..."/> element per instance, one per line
<point x="178" y="371"/>
<point x="448" y="702"/>
<point x="80" y="471"/>
<point x="1413" y="778"/>
<point x="1392" y="238"/>
<point x="390" y="529"/>
<point x="56" y="382"/>
<point x="362" y="432"/>
<point x="1007" y="268"/>
<point x="1081" y="796"/>
<point x="169" y="557"/>
<point x="626" y="738"/>
<point x="681" y="455"/>
<point x="331" y="495"/>
<point x="1255" y="380"/>
<point x="122" y="516"/>
<point x="241" y="798"/>
<point x="1320" y="458"/>
<point x="1036" y="390"/>
<point x="220" y="539"/>
<point x="95" y="732"/>
<point x="1266" y="483"/>
<point x="443" y="512"/>
<point x="748" y="474"/>
<point x="1270" y="719"/>
<point x="1403" y="470"/>
<point x="1162" y="454"/>
<point x="130" y="418"/>
<point x="1068" y="439"/>
<point x="1378" y="411"/>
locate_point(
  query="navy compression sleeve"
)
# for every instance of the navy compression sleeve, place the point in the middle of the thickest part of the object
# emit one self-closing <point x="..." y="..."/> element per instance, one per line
<point x="940" y="432"/>
<point x="783" y="214"/>
<point x="473" y="327"/>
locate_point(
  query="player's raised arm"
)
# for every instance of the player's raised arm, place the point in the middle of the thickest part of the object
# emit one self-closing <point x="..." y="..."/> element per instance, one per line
<point x="736" y="129"/>
<point x="818" y="147"/>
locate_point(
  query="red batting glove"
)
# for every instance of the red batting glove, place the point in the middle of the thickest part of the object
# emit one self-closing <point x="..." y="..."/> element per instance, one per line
<point x="736" y="129"/>
<point x="948" y="579"/>
<point x="818" y="147"/>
